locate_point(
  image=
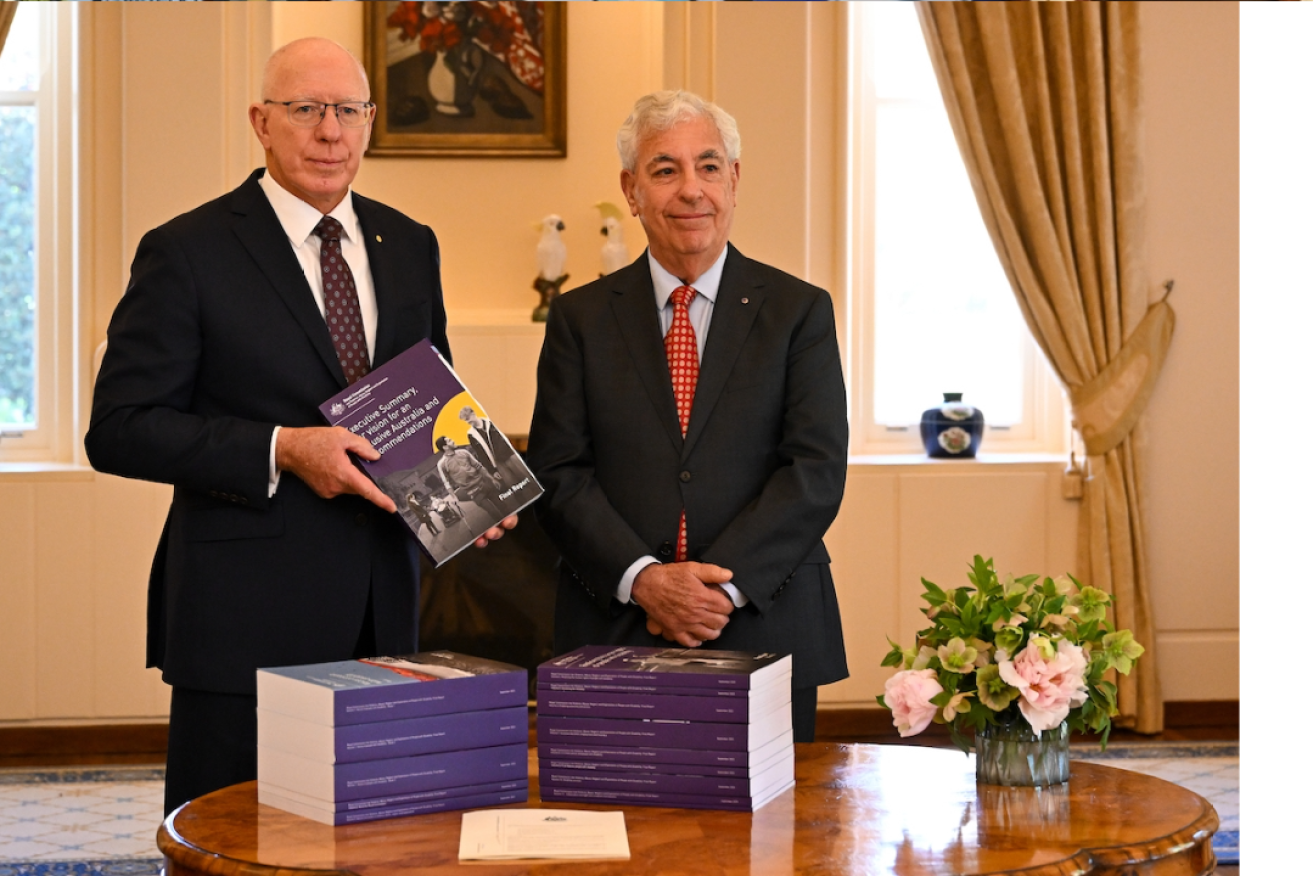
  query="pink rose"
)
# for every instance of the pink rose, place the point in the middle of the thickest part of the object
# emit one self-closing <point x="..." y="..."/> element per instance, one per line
<point x="1049" y="688"/>
<point x="908" y="696"/>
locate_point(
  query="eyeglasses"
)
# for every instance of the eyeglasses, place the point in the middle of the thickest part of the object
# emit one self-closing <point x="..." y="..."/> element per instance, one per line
<point x="309" y="113"/>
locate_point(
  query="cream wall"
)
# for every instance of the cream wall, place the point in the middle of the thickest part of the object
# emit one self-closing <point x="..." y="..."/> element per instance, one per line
<point x="1192" y="464"/>
<point x="77" y="545"/>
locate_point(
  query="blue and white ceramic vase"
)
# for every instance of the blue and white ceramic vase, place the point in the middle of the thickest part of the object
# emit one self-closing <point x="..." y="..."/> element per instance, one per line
<point x="952" y="430"/>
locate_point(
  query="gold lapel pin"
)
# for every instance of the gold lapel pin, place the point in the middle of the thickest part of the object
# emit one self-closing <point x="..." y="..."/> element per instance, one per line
<point x="378" y="237"/>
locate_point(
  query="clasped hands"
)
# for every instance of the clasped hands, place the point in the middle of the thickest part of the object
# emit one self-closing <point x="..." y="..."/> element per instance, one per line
<point x="319" y="456"/>
<point x="684" y="601"/>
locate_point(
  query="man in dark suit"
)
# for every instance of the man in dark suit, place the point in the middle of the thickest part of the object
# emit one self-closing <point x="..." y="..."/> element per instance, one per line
<point x="277" y="550"/>
<point x="695" y="523"/>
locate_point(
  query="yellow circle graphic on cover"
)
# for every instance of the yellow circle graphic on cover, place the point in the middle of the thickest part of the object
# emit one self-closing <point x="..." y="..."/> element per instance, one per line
<point x="449" y="423"/>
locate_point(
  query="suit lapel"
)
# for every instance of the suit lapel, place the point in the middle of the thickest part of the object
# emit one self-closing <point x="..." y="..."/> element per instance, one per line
<point x="377" y="240"/>
<point x="737" y="303"/>
<point x="257" y="227"/>
<point x="635" y="311"/>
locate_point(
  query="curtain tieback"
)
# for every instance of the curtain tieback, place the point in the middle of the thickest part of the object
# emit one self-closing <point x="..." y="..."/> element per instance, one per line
<point x="1107" y="407"/>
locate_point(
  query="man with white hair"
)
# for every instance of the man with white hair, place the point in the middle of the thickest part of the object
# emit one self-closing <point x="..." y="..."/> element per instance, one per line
<point x="240" y="318"/>
<point x="690" y="430"/>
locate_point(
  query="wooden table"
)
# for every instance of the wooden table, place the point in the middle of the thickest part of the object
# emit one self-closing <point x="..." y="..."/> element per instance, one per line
<point x="865" y="809"/>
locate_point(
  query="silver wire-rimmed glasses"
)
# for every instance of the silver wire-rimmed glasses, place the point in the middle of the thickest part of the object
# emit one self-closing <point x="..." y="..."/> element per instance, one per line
<point x="309" y="113"/>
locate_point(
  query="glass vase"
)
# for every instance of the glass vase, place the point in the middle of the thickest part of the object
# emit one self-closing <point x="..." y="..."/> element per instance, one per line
<point x="1013" y="754"/>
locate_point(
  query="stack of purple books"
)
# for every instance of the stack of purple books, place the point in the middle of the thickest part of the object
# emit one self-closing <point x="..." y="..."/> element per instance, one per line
<point x="360" y="740"/>
<point x="681" y="727"/>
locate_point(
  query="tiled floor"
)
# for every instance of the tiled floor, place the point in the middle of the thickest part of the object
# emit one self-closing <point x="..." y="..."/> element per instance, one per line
<point x="104" y="813"/>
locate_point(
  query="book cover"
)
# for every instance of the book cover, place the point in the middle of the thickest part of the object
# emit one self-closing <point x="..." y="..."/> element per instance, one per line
<point x="606" y="704"/>
<point x="690" y="761"/>
<point x="665" y="667"/>
<point x="665" y="734"/>
<point x="450" y="470"/>
<point x="382" y="740"/>
<point x="390" y="800"/>
<point x="398" y="775"/>
<point x="390" y="688"/>
<point x="358" y="816"/>
<point x="779" y="771"/>
<point x="662" y="798"/>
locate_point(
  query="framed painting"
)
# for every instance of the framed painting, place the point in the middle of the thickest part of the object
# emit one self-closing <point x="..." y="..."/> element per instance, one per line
<point x="477" y="78"/>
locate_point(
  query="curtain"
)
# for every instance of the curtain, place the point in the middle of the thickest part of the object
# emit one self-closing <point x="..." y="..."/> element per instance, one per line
<point x="8" y="9"/>
<point x="1045" y="103"/>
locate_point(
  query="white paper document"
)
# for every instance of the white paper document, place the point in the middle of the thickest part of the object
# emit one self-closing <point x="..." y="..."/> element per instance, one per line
<point x="498" y="834"/>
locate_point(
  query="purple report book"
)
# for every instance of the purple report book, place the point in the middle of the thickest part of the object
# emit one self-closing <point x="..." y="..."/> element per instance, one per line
<point x="451" y="478"/>
<point x="665" y="667"/>
<point x="390" y="688"/>
<point x="336" y="783"/>
<point x="447" y="804"/>
<point x="675" y="783"/>
<point x="391" y="800"/>
<point x="665" y="734"/>
<point x="686" y="761"/>
<point x="661" y="798"/>
<point x="606" y="704"/>
<point x="392" y="739"/>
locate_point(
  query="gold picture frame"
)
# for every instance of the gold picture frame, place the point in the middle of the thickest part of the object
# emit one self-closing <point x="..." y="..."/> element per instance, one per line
<point x="467" y="79"/>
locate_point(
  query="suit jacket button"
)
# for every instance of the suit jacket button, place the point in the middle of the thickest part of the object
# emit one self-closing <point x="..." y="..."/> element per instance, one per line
<point x="666" y="550"/>
<point x="686" y="476"/>
<point x="362" y="520"/>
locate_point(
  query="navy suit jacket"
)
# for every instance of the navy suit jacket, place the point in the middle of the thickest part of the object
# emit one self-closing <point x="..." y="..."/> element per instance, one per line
<point x="760" y="473"/>
<point x="217" y="340"/>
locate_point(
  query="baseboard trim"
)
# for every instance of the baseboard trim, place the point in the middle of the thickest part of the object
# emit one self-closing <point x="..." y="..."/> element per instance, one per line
<point x="86" y="743"/>
<point x="143" y="743"/>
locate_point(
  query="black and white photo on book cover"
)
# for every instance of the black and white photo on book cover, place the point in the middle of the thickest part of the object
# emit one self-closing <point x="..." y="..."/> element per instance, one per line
<point x="449" y="469"/>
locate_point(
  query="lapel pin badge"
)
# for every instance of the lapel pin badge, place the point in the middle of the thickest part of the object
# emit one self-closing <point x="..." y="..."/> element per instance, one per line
<point x="743" y="301"/>
<point x="378" y="237"/>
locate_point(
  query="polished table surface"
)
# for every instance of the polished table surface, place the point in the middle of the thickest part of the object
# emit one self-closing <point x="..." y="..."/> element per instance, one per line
<point x="857" y="809"/>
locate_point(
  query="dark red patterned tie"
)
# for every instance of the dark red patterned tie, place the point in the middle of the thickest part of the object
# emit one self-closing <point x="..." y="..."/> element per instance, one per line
<point x="341" y="303"/>
<point x="682" y="357"/>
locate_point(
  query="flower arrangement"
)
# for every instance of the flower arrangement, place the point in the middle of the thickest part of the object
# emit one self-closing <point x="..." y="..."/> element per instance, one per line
<point x="1011" y="649"/>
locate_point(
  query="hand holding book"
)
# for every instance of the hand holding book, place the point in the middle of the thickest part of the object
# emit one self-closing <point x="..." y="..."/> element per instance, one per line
<point x="321" y="457"/>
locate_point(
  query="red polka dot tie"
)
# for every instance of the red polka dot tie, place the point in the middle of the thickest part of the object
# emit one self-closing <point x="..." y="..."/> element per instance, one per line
<point x="341" y="303"/>
<point x="682" y="357"/>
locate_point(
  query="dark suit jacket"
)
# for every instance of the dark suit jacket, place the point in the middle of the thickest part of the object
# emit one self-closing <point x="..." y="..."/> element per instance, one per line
<point x="217" y="340"/>
<point x="760" y="473"/>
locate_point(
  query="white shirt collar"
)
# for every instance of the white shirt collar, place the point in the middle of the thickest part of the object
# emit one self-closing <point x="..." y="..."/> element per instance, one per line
<point x="299" y="218"/>
<point x="664" y="282"/>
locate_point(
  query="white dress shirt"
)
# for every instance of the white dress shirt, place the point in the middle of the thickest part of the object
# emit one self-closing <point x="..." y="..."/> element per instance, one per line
<point x="700" y="308"/>
<point x="299" y="220"/>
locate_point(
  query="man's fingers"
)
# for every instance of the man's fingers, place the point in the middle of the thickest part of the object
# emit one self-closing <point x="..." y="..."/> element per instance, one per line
<point x="366" y="488"/>
<point x="710" y="573"/>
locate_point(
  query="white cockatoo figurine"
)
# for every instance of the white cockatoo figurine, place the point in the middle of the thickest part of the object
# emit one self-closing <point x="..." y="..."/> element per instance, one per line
<point x="551" y="265"/>
<point x="551" y="248"/>
<point x="615" y="255"/>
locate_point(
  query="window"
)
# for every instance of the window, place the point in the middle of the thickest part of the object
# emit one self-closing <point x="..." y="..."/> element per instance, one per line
<point x="37" y="186"/>
<point x="931" y="310"/>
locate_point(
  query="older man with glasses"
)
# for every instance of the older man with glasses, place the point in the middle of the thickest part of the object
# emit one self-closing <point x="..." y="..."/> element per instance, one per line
<point x="240" y="318"/>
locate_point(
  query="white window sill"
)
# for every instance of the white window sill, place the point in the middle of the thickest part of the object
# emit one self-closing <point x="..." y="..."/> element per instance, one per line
<point x="33" y="472"/>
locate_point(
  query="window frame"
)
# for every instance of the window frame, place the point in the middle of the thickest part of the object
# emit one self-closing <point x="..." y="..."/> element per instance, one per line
<point x="53" y="440"/>
<point x="1043" y="429"/>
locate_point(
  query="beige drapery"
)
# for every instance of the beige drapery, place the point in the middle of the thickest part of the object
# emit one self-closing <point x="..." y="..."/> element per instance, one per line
<point x="1045" y="102"/>
<point x="8" y="8"/>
